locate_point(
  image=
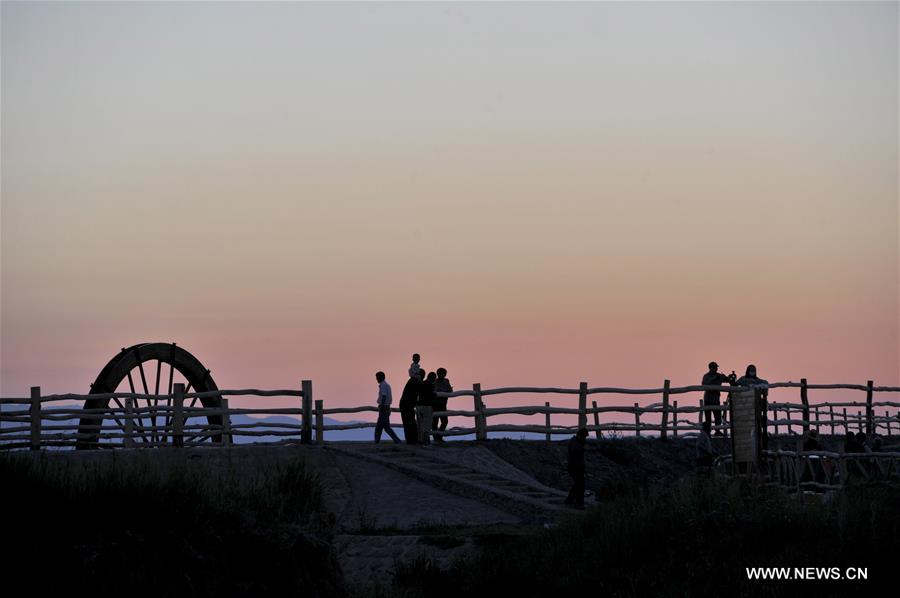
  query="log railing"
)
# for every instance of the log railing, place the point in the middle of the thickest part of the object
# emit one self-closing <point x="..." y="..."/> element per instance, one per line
<point x="29" y="423"/>
<point x="34" y="422"/>
<point x="827" y="470"/>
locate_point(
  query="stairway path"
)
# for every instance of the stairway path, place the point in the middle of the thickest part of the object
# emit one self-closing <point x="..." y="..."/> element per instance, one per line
<point x="473" y="474"/>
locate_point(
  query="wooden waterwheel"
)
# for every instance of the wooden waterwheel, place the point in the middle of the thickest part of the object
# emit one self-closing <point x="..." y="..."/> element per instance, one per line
<point x="138" y="369"/>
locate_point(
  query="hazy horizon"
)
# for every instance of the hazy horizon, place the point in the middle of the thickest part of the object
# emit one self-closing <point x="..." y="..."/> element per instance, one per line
<point x="525" y="194"/>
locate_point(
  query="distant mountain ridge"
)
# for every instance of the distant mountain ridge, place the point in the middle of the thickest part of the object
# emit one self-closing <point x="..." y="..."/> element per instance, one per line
<point x="357" y="434"/>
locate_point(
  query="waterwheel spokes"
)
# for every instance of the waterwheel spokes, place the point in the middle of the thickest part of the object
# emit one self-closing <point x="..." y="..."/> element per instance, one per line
<point x="187" y="390"/>
<point x="152" y="413"/>
<point x="156" y="389"/>
<point x="140" y="419"/>
<point x="119" y="371"/>
<point x="141" y="430"/>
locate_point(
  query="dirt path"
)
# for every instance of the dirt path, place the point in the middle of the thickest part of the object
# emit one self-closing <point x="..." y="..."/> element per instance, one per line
<point x="378" y="497"/>
<point x="388" y="500"/>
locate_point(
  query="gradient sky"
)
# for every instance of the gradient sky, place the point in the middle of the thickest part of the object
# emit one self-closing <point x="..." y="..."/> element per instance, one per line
<point x="526" y="194"/>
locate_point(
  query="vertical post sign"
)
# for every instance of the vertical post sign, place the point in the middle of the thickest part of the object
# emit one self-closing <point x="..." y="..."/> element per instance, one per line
<point x="745" y="443"/>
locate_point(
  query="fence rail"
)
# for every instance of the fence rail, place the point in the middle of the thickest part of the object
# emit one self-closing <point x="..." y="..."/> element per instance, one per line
<point x="127" y="423"/>
<point x="826" y="470"/>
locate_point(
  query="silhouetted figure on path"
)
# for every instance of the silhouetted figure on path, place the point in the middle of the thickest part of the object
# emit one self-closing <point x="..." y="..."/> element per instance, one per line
<point x="442" y="384"/>
<point x="425" y="407"/>
<point x="408" y="401"/>
<point x="711" y="397"/>
<point x="384" y="409"/>
<point x="576" y="468"/>
<point x="811" y="441"/>
<point x="706" y="454"/>
<point x="877" y="444"/>
<point x="762" y="396"/>
<point x="851" y="444"/>
<point x="414" y="367"/>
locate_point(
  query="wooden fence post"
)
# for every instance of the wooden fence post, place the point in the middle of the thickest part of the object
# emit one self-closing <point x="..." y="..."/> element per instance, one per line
<point x="846" y="422"/>
<point x="34" y="413"/>
<point x="320" y="422"/>
<point x="480" y="418"/>
<point x="547" y="419"/>
<point x="831" y="417"/>
<point x="700" y="414"/>
<point x="775" y="419"/>
<point x="787" y="412"/>
<point x="859" y="420"/>
<point x="818" y="418"/>
<point x="804" y="398"/>
<point x="178" y="416"/>
<point x="637" y="421"/>
<point x="226" y="423"/>
<point x="596" y="420"/>
<point x="307" y="405"/>
<point x="129" y="423"/>
<point x="869" y="428"/>
<point x="887" y="421"/>
<point x="674" y="419"/>
<point x="665" y="414"/>
<point x="582" y="405"/>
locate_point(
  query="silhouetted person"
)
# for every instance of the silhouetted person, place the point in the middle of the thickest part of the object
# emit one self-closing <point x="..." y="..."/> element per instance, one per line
<point x="751" y="379"/>
<point x="442" y="384"/>
<point x="425" y="407"/>
<point x="877" y="447"/>
<point x="863" y="442"/>
<point x="852" y="445"/>
<point x="815" y="472"/>
<point x="711" y="397"/>
<point x="384" y="409"/>
<point x="877" y="444"/>
<point x="576" y="468"/>
<point x="706" y="454"/>
<point x="414" y="367"/>
<point x="762" y="396"/>
<point x="811" y="441"/>
<point x="408" y="401"/>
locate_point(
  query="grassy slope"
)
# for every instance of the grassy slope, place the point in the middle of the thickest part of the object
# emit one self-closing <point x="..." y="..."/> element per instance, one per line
<point x="147" y="524"/>
<point x="695" y="538"/>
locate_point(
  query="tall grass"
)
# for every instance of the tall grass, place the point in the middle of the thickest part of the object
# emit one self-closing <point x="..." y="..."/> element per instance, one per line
<point x="690" y="540"/>
<point x="161" y="524"/>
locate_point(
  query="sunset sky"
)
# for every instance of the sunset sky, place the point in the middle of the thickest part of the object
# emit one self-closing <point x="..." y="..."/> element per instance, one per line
<point x="525" y="194"/>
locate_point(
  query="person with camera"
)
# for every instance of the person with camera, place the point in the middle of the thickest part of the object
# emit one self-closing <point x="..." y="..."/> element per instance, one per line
<point x="711" y="397"/>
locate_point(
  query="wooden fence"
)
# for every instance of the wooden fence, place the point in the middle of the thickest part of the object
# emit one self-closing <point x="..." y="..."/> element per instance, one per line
<point x="127" y="423"/>
<point x="827" y="470"/>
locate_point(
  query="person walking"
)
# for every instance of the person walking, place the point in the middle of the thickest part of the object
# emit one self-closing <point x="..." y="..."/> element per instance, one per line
<point x="576" y="468"/>
<point x="711" y="397"/>
<point x="384" y="409"/>
<point x="408" y="408"/>
<point x="425" y="407"/>
<point x="442" y="384"/>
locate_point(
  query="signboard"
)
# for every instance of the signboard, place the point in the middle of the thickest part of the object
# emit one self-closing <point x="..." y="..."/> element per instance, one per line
<point x="744" y="431"/>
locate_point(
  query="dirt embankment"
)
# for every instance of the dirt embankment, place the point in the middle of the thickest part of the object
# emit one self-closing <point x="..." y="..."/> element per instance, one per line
<point x="610" y="463"/>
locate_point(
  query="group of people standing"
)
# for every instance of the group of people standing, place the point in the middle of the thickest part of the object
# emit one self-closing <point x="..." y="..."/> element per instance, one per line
<point x="706" y="453"/>
<point x="711" y="397"/>
<point x="418" y="402"/>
